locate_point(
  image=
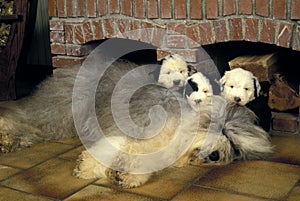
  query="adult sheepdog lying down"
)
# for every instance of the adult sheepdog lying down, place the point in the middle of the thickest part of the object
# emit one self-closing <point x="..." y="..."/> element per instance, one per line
<point x="216" y="132"/>
<point x="242" y="87"/>
<point x="47" y="114"/>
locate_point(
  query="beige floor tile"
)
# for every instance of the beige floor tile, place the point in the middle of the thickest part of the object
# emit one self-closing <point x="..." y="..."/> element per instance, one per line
<point x="203" y="194"/>
<point x="286" y="149"/>
<point x="72" y="154"/>
<point x="96" y="193"/>
<point x="52" y="179"/>
<point x="7" y="194"/>
<point x="294" y="195"/>
<point x="6" y="171"/>
<point x="259" y="178"/>
<point x="36" y="154"/>
<point x="166" y="183"/>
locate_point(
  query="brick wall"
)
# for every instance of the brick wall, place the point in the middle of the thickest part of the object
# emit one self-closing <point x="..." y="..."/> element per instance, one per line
<point x="75" y="23"/>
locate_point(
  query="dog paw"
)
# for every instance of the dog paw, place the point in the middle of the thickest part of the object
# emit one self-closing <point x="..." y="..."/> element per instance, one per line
<point x="8" y="144"/>
<point x="194" y="158"/>
<point x="126" y="180"/>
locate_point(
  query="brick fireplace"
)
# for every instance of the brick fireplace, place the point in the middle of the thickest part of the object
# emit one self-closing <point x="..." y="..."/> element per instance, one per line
<point x="76" y="24"/>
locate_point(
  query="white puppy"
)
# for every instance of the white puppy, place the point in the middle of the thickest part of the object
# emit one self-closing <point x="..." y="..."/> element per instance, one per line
<point x="239" y="86"/>
<point x="197" y="88"/>
<point x="173" y="72"/>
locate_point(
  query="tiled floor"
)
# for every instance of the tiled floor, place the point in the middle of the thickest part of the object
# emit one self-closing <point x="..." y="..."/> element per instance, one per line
<point x="44" y="172"/>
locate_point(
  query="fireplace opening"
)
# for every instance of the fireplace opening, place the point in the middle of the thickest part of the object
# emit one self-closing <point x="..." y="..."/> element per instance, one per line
<point x="287" y="64"/>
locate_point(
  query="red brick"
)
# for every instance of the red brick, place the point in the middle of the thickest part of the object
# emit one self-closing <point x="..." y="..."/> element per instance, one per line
<point x="56" y="25"/>
<point x="81" y="8"/>
<point x="64" y="61"/>
<point x="58" y="49"/>
<point x="229" y="7"/>
<point x="108" y="27"/>
<point x="134" y="30"/>
<point x="152" y="6"/>
<point x="91" y="8"/>
<point x="295" y="10"/>
<point x="206" y="33"/>
<point x="180" y="9"/>
<point x="78" y="50"/>
<point x="284" y="36"/>
<point x="57" y="37"/>
<point x="162" y="53"/>
<point x="236" y="29"/>
<point x="78" y="34"/>
<point x="69" y="33"/>
<point x="102" y="7"/>
<point x="212" y="9"/>
<point x="97" y="27"/>
<point x="268" y="31"/>
<point x="189" y="55"/>
<point x="52" y="8"/>
<point x="196" y="9"/>
<point x="61" y="11"/>
<point x="193" y="34"/>
<point x="166" y="8"/>
<point x="262" y="7"/>
<point x="146" y="32"/>
<point x="220" y="30"/>
<point x="114" y="6"/>
<point x="127" y="7"/>
<point x="279" y="9"/>
<point x="121" y="28"/>
<point x="158" y="37"/>
<point x="87" y="30"/>
<point x="175" y="28"/>
<point x="296" y="40"/>
<point x="245" y="7"/>
<point x="284" y="122"/>
<point x="176" y="41"/>
<point x="71" y="8"/>
<point x="139" y="9"/>
<point x="251" y="29"/>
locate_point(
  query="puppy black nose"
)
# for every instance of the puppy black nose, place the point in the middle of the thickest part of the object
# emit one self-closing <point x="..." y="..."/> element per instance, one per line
<point x="197" y="101"/>
<point x="176" y="82"/>
<point x="237" y="99"/>
<point x="214" y="156"/>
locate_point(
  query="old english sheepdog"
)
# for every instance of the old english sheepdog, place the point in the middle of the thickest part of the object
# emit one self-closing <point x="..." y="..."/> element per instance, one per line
<point x="242" y="87"/>
<point x="196" y="89"/>
<point x="217" y="132"/>
<point x="46" y="114"/>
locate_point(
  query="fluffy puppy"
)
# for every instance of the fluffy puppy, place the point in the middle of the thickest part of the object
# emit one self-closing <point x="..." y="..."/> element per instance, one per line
<point x="196" y="89"/>
<point x="242" y="87"/>
<point x="173" y="72"/>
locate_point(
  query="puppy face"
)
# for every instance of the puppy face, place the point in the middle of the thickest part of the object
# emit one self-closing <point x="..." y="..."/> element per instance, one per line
<point x="173" y="72"/>
<point x="240" y="86"/>
<point x="197" y="88"/>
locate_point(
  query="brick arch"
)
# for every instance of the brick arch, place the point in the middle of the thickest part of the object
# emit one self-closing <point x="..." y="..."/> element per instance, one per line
<point x="76" y="23"/>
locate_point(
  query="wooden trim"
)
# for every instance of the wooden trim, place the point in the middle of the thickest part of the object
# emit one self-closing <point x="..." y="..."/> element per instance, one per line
<point x="10" y="18"/>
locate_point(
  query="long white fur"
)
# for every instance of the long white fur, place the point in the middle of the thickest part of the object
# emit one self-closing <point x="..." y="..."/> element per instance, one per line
<point x="239" y="84"/>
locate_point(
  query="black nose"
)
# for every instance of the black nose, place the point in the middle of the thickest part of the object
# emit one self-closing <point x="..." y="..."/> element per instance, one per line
<point x="176" y="82"/>
<point x="197" y="101"/>
<point x="237" y="99"/>
<point x="214" y="156"/>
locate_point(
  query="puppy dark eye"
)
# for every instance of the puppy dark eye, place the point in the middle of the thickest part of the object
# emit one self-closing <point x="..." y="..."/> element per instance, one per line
<point x="246" y="89"/>
<point x="205" y="91"/>
<point x="181" y="71"/>
<point x="168" y="72"/>
<point x="231" y="86"/>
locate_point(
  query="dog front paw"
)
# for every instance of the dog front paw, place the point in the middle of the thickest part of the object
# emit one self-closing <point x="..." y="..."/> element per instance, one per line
<point x="8" y="144"/>
<point x="126" y="180"/>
